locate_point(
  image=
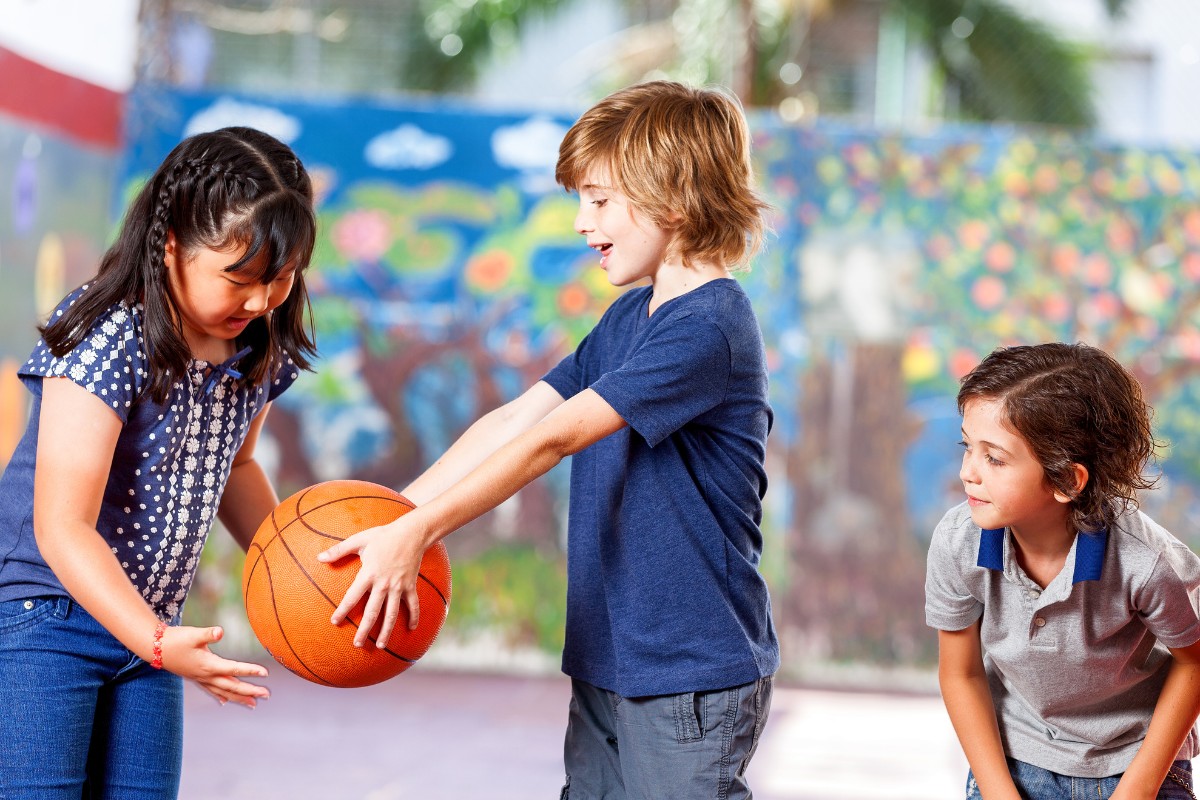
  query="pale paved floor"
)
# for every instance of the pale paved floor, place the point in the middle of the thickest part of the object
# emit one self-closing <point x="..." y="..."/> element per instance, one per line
<point x="441" y="736"/>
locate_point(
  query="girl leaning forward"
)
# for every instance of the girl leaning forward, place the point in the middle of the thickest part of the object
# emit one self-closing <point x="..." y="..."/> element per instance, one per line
<point x="150" y="386"/>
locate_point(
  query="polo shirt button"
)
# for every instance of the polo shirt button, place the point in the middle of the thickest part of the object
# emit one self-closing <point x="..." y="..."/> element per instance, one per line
<point x="1039" y="622"/>
<point x="1035" y="594"/>
<point x="28" y="604"/>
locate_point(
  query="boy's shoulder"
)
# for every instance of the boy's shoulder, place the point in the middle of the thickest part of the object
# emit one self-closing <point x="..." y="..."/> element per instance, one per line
<point x="1138" y="536"/>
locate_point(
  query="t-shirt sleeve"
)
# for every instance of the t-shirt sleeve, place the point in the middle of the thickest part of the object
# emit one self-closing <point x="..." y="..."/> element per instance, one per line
<point x="567" y="376"/>
<point x="284" y="377"/>
<point x="108" y="362"/>
<point x="1167" y="598"/>
<point x="678" y="373"/>
<point x="949" y="604"/>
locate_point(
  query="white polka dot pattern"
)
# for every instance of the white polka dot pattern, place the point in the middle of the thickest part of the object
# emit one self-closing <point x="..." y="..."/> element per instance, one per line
<point x="171" y="460"/>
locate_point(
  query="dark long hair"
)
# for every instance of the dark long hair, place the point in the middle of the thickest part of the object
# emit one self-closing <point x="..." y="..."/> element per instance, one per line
<point x="1074" y="404"/>
<point x="235" y="186"/>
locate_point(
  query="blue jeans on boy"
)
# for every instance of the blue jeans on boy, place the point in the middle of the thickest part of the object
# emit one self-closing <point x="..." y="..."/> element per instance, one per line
<point x="1042" y="784"/>
<point x="82" y="716"/>
<point x="691" y="746"/>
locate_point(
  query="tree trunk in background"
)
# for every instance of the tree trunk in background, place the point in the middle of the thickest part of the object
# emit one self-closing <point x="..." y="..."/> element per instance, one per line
<point x="857" y="590"/>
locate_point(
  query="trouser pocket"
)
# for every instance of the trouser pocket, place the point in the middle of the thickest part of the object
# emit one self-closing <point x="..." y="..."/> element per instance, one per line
<point x="17" y="615"/>
<point x="691" y="714"/>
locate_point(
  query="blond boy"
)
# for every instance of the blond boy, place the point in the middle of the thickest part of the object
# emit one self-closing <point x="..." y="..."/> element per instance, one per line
<point x="669" y="642"/>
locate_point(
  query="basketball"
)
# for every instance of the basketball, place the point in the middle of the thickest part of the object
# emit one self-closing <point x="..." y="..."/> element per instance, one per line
<point x="290" y="596"/>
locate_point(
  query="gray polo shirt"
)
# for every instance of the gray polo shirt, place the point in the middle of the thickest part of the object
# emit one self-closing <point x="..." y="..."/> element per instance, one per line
<point x="1074" y="670"/>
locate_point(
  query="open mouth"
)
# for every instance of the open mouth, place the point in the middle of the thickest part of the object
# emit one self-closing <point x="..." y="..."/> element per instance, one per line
<point x="604" y="249"/>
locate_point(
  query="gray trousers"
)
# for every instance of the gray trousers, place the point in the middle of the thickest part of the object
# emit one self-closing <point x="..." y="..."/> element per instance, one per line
<point x="690" y="746"/>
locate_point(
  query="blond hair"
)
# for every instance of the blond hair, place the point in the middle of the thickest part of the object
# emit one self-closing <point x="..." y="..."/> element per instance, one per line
<point x="682" y="157"/>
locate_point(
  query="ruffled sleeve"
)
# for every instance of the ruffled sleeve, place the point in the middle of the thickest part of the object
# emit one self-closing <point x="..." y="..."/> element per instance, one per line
<point x="284" y="377"/>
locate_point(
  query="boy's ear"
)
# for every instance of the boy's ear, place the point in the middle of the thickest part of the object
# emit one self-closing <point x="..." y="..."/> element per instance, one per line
<point x="1081" y="478"/>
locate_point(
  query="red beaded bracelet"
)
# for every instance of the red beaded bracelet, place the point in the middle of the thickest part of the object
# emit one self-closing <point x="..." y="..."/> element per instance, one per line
<point x="158" y="634"/>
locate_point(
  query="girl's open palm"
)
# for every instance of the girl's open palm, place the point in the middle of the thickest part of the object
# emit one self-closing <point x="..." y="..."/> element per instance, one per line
<point x="185" y="652"/>
<point x="391" y="559"/>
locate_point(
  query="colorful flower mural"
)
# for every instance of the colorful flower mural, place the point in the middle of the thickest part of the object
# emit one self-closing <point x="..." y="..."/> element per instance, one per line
<point x="444" y="288"/>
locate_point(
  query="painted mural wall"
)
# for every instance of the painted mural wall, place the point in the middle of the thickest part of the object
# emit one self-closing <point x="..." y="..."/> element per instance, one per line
<point x="55" y="214"/>
<point x="447" y="279"/>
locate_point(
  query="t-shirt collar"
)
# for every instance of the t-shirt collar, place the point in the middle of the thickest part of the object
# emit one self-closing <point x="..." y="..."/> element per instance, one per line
<point x="1089" y="552"/>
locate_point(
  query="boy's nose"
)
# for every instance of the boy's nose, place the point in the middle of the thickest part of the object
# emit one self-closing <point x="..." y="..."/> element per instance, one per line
<point x="583" y="226"/>
<point x="967" y="473"/>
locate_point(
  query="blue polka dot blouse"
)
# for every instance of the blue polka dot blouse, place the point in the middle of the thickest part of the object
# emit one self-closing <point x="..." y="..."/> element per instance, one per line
<point x="169" y="468"/>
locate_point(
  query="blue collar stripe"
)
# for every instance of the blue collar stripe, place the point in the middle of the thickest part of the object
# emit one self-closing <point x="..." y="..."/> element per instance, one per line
<point x="991" y="548"/>
<point x="1089" y="555"/>
<point x="1089" y="552"/>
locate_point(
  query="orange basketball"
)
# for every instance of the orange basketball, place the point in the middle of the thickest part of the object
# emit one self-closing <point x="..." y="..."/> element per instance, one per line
<point x="290" y="596"/>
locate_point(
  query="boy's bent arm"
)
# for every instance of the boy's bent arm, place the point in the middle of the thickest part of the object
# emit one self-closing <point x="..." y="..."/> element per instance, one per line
<point x="1174" y="715"/>
<point x="391" y="554"/>
<point x="487" y="435"/>
<point x="969" y="703"/>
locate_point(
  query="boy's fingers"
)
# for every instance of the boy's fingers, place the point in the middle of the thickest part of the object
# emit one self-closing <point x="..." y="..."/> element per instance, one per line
<point x="339" y="550"/>
<point x="370" y="614"/>
<point x="389" y="621"/>
<point x="414" y="607"/>
<point x="353" y="595"/>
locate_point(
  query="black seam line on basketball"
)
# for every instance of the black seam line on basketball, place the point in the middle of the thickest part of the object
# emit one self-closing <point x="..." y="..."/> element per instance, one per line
<point x="300" y="517"/>
<point x="445" y="602"/>
<point x="274" y="525"/>
<point x="335" y="605"/>
<point x="261" y="554"/>
<point x="283" y="633"/>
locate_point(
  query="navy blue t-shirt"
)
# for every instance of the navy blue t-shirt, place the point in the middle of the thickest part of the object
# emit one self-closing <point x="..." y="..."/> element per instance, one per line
<point x="664" y="594"/>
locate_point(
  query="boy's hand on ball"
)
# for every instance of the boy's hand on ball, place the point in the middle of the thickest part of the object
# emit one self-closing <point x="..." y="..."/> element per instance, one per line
<point x="185" y="652"/>
<point x="391" y="560"/>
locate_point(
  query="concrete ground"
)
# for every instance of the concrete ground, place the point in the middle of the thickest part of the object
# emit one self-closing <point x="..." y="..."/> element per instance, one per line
<point x="456" y="736"/>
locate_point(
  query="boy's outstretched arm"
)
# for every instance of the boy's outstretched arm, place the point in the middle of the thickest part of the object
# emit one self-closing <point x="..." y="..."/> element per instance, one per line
<point x="487" y="435"/>
<point x="1174" y="715"/>
<point x="391" y="554"/>
<point x="968" y="701"/>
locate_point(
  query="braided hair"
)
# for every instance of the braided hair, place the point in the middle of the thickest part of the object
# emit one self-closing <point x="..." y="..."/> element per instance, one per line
<point x="218" y="190"/>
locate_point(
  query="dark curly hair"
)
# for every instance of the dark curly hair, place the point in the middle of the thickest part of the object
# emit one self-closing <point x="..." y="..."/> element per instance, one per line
<point x="228" y="187"/>
<point x="1074" y="404"/>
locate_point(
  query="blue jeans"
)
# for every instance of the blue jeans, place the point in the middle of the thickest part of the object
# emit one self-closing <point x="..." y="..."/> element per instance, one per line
<point x="692" y="746"/>
<point x="81" y="716"/>
<point x="1042" y="784"/>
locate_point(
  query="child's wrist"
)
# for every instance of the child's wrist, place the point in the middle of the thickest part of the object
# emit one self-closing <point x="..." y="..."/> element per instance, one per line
<point x="156" y="650"/>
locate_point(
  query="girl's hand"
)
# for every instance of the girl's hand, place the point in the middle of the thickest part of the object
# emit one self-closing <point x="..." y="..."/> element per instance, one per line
<point x="185" y="652"/>
<point x="391" y="558"/>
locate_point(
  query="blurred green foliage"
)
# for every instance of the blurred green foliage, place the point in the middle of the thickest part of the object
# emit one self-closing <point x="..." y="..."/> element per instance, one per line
<point x="513" y="589"/>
